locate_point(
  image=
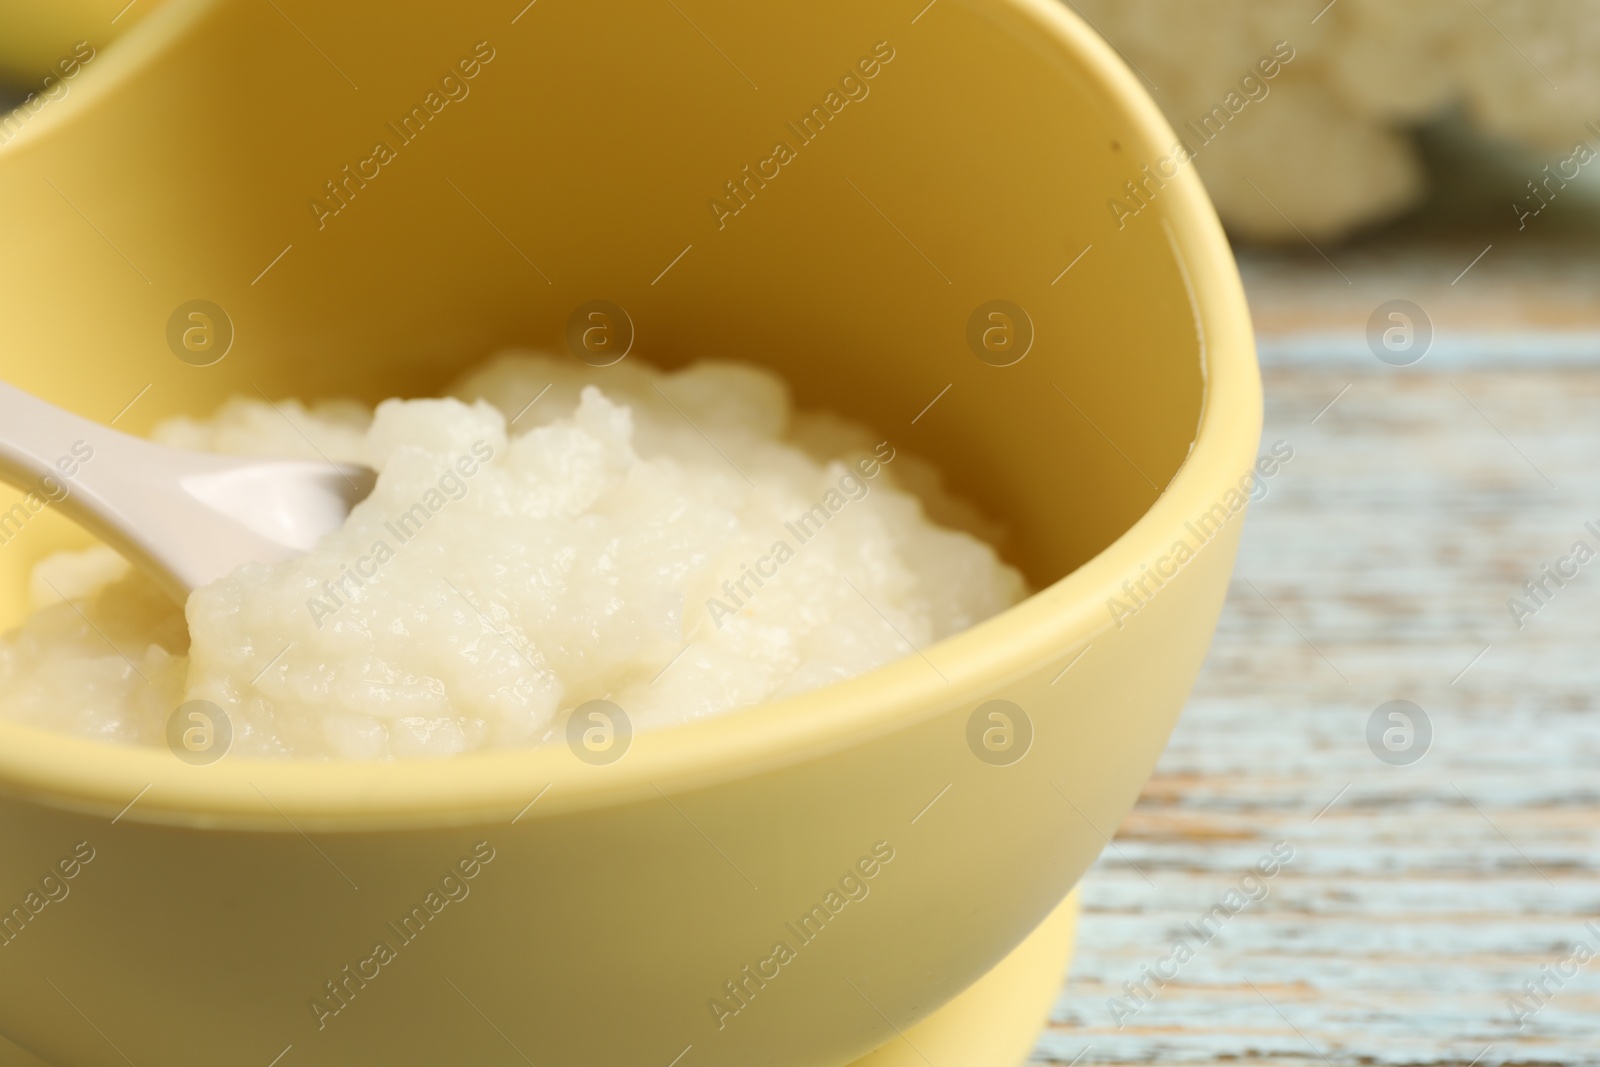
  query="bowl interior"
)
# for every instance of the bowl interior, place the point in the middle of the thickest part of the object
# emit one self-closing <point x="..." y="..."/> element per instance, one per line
<point x="377" y="201"/>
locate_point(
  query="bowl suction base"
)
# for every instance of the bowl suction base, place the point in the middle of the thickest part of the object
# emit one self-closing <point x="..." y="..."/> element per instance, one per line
<point x="992" y="1024"/>
<point x="995" y="1022"/>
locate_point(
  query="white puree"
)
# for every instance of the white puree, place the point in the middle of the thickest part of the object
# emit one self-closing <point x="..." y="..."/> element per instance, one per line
<point x="490" y="585"/>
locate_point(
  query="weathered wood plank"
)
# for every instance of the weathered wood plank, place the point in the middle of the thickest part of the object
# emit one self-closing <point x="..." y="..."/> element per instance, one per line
<point x="1379" y="567"/>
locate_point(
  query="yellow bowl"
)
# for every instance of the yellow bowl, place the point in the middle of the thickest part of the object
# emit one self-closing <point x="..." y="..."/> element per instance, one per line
<point x="957" y="155"/>
<point x="45" y="43"/>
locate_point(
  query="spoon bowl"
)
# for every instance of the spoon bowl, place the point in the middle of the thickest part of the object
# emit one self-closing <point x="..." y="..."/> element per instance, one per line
<point x="188" y="518"/>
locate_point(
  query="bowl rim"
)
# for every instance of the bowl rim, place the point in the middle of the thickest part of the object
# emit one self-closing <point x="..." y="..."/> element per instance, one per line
<point x="146" y="784"/>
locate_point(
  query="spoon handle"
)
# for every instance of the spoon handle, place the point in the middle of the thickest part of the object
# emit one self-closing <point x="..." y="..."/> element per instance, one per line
<point x="41" y="444"/>
<point x="63" y="460"/>
<point x="187" y="518"/>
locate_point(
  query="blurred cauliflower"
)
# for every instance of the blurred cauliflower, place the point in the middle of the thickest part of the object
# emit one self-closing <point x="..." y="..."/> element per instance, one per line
<point x="1331" y="145"/>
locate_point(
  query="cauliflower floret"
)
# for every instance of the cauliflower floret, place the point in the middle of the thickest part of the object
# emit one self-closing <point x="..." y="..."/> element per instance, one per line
<point x="1330" y="144"/>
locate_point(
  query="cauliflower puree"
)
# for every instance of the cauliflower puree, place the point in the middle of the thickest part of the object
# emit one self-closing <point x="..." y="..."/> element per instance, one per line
<point x="680" y="544"/>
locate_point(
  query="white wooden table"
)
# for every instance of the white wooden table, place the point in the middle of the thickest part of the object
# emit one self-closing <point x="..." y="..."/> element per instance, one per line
<point x="1421" y="897"/>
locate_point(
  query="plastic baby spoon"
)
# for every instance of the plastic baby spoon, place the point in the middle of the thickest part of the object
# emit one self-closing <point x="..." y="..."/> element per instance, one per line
<point x="187" y="518"/>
